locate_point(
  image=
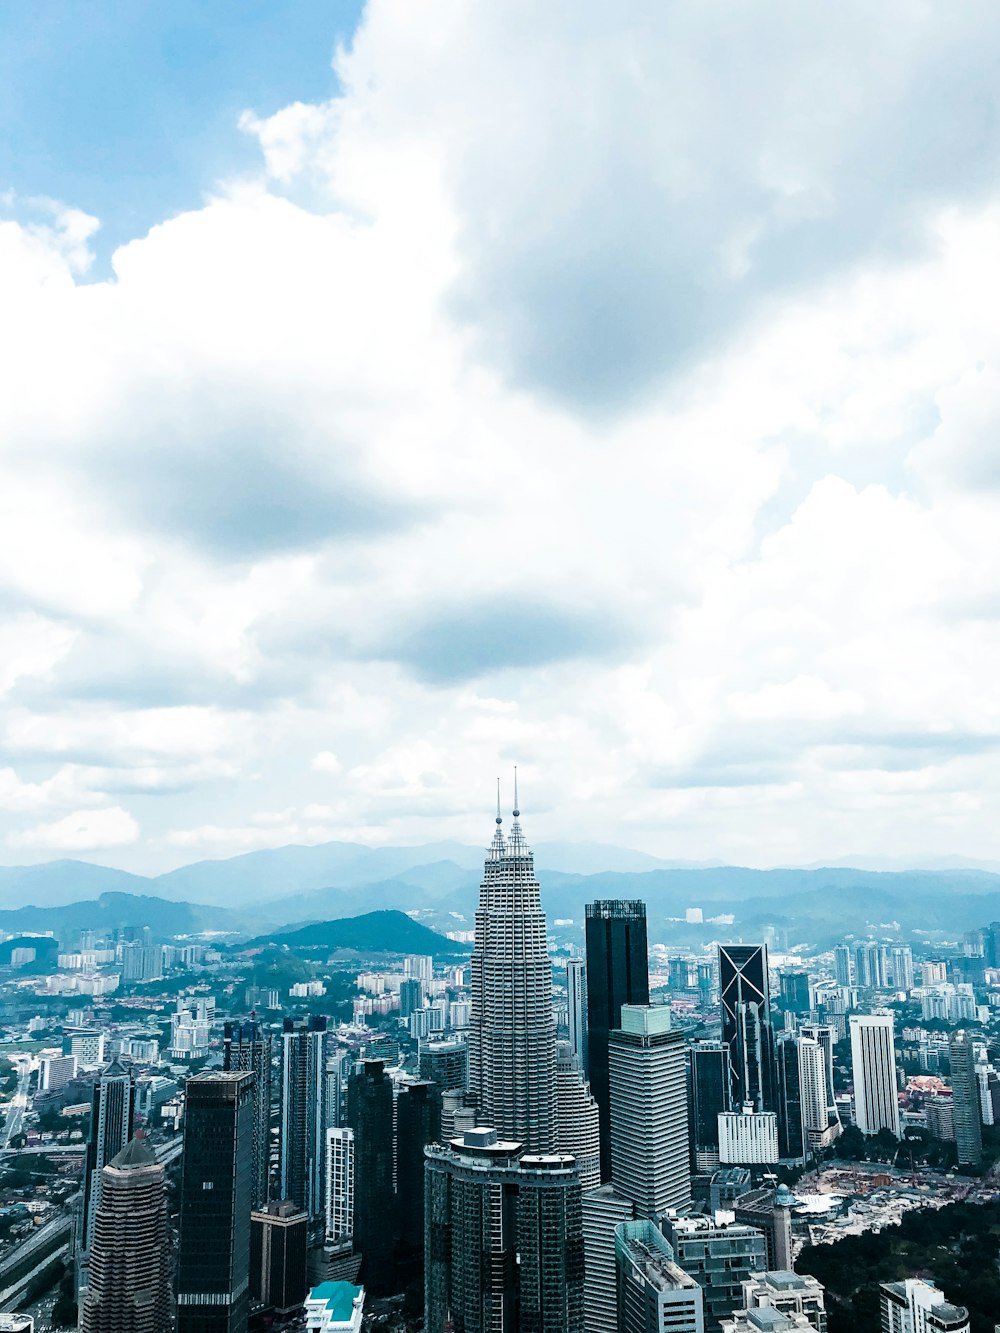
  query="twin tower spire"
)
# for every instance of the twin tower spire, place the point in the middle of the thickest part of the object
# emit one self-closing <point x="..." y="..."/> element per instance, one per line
<point x="515" y="844"/>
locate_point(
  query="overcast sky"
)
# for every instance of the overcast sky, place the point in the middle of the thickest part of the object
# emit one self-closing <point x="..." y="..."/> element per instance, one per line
<point x="392" y="396"/>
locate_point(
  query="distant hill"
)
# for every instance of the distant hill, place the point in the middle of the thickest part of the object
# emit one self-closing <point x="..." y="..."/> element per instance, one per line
<point x="112" y="911"/>
<point x="373" y="932"/>
<point x="57" y="883"/>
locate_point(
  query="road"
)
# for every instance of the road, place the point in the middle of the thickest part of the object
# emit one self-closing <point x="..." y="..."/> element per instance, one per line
<point x="19" y="1104"/>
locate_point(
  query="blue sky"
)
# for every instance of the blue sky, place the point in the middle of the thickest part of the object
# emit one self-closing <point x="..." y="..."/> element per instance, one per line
<point x="130" y="110"/>
<point x="609" y="390"/>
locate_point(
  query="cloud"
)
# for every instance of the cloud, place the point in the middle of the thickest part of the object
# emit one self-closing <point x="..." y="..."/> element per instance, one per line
<point x="82" y="831"/>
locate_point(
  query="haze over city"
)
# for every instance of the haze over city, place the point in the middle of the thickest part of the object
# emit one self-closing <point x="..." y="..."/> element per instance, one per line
<point x="393" y="394"/>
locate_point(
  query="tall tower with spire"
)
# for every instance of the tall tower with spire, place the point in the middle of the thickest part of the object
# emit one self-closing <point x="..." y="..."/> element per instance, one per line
<point x="512" y="1037"/>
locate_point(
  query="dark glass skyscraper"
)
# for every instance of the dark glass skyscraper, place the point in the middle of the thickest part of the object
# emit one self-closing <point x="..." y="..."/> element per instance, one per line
<point x="746" y="1023"/>
<point x="965" y="1100"/>
<point x="789" y="1090"/>
<point x="307" y="1112"/>
<point x="710" y="1091"/>
<point x="213" y="1259"/>
<point x="617" y="974"/>
<point x="418" y="1122"/>
<point x="369" y="1115"/>
<point x="248" y="1046"/>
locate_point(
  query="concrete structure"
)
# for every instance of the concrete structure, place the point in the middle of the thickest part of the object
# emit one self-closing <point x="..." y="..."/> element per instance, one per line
<point x="916" y="1306"/>
<point x="603" y="1210"/>
<point x="720" y="1254"/>
<point x="748" y="1137"/>
<point x="654" y="1295"/>
<point x="578" y="1129"/>
<point x="820" y="1118"/>
<point x="788" y="1293"/>
<point x="213" y="1255"/>
<point x="55" y="1071"/>
<point x="111" y="1120"/>
<point x="512" y="1033"/>
<point x="128" y="1290"/>
<point x="770" y="1211"/>
<point x="873" y="1063"/>
<point x="649" y="1117"/>
<point x="503" y="1239"/>
<point x="446" y="1063"/>
<point x="309" y="1096"/>
<point x="576" y="1009"/>
<point x="335" y="1307"/>
<point x="339" y="1184"/>
<point x="710" y="1091"/>
<point x="745" y="996"/>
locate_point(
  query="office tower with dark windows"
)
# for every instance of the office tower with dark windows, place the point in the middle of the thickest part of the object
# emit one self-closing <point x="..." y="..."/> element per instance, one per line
<point x="445" y="1063"/>
<point x="418" y="1122"/>
<point x="617" y="974"/>
<point x="873" y="1065"/>
<point x="370" y="1116"/>
<point x="654" y="1295"/>
<point x="576" y="1009"/>
<point x="213" y="1255"/>
<point x="503" y="1244"/>
<point x="112" y="1114"/>
<point x="411" y="996"/>
<point x="128" y="1288"/>
<point x="710" y="1092"/>
<point x="577" y="1122"/>
<point x="278" y="1248"/>
<point x="745" y="996"/>
<point x="309" y="1094"/>
<point x="965" y="1100"/>
<point x="512" y="1033"/>
<point x="649" y="1116"/>
<point x="789" y="1099"/>
<point x="795" y="991"/>
<point x="247" y="1046"/>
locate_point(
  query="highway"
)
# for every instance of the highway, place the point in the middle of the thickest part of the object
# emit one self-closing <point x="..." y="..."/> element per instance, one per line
<point x="19" y="1104"/>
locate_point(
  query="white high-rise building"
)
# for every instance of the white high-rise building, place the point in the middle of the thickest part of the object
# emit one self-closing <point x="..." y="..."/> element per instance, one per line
<point x="339" y="1184"/>
<point x="748" y="1137"/>
<point x="576" y="993"/>
<point x="873" y="1063"/>
<point x="512" y="1031"/>
<point x="649" y="1117"/>
<point x="916" y="1306"/>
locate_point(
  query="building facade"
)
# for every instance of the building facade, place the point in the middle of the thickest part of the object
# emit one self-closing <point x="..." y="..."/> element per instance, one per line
<point x="654" y="1295"/>
<point x="213" y="1257"/>
<point x="745" y="1001"/>
<point x="873" y="1064"/>
<point x="512" y="1034"/>
<point x="617" y="973"/>
<point x="247" y="1046"/>
<point x="370" y="1116"/>
<point x="112" y="1115"/>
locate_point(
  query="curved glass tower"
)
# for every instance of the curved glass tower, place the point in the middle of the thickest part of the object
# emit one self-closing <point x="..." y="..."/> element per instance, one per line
<point x="512" y="1036"/>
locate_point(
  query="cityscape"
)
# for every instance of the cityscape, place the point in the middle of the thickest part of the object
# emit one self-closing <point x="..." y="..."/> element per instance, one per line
<point x="499" y="666"/>
<point x="206" y="1132"/>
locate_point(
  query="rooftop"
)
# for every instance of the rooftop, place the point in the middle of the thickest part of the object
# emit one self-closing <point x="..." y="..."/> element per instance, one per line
<point x="339" y="1298"/>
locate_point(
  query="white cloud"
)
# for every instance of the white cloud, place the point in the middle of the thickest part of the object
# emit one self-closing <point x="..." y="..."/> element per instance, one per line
<point x="82" y="831"/>
<point x="643" y="438"/>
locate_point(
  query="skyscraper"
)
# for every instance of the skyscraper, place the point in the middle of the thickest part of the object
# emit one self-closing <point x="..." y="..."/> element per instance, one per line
<point x="654" y="1294"/>
<point x="820" y="1118"/>
<point x="902" y="967"/>
<point x="307" y="1112"/>
<point x="512" y="1035"/>
<point x="842" y="965"/>
<point x="418" y="1122"/>
<point x="369" y="1114"/>
<point x="746" y="1023"/>
<point x="503" y="1247"/>
<point x="576" y="1009"/>
<point x="213" y="1257"/>
<point x="445" y="1063"/>
<point x="278" y="1247"/>
<point x="649" y="1118"/>
<point x="577" y="1122"/>
<point x="617" y="974"/>
<point x="247" y="1046"/>
<point x="110" y="1129"/>
<point x="873" y="1064"/>
<point x="795" y="991"/>
<point x="790" y="1095"/>
<point x="710" y="1091"/>
<point x="965" y="1100"/>
<point x="339" y="1184"/>
<point x="129" y="1277"/>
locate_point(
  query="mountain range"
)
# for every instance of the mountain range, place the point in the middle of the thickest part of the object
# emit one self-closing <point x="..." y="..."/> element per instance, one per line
<point x="437" y="884"/>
